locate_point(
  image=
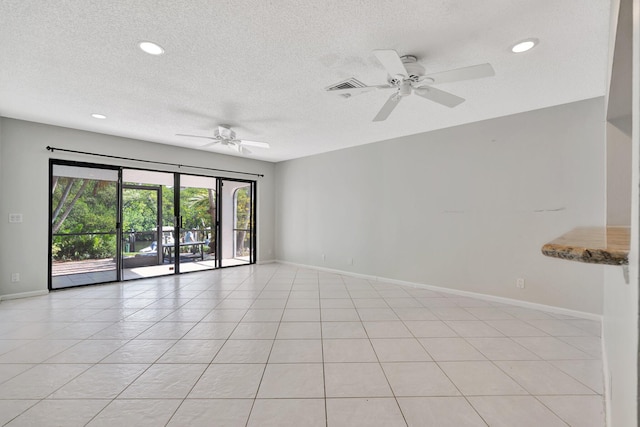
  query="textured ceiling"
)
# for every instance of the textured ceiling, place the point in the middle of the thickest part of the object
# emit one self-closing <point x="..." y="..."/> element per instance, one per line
<point x="262" y="66"/>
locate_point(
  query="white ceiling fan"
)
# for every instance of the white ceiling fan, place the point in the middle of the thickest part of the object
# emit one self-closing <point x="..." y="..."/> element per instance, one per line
<point x="224" y="135"/>
<point x="406" y="76"/>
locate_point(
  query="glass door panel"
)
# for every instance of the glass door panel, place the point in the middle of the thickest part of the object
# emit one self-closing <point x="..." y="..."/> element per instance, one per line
<point x="237" y="222"/>
<point x="197" y="233"/>
<point x="140" y="218"/>
<point x="147" y="224"/>
<point x="84" y="217"/>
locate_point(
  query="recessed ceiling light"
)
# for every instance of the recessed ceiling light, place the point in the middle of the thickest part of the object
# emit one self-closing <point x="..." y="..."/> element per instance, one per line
<point x="524" y="45"/>
<point x="151" y="48"/>
<point x="98" y="116"/>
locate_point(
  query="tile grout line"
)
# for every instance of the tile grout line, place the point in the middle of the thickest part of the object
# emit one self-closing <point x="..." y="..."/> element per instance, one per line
<point x="253" y="403"/>
<point x="462" y="395"/>
<point x="384" y="373"/>
<point x="142" y="373"/>
<point x="324" y="374"/>
<point x="208" y="365"/>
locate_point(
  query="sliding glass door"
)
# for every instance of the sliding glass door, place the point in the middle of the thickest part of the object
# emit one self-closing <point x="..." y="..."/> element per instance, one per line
<point x="237" y="222"/>
<point x="83" y="220"/>
<point x="111" y="224"/>
<point x="198" y="213"/>
<point x="147" y="224"/>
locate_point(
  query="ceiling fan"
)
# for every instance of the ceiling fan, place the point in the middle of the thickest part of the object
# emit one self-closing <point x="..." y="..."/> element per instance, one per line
<point x="406" y="76"/>
<point x="224" y="135"/>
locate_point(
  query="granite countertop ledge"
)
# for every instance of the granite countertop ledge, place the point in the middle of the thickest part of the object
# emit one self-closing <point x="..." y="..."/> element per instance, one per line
<point x="593" y="245"/>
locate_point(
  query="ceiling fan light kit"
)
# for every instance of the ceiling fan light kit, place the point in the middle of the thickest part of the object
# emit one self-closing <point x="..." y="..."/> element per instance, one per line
<point x="407" y="76"/>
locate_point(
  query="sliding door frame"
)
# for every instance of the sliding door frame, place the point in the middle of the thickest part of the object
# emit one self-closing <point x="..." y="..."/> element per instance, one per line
<point x="118" y="225"/>
<point x="253" y="223"/>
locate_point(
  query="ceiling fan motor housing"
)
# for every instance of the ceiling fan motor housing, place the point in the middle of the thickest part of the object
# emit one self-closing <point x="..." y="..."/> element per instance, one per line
<point x="405" y="88"/>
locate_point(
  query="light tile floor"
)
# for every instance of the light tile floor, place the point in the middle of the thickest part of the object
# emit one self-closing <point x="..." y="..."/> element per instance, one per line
<point x="274" y="345"/>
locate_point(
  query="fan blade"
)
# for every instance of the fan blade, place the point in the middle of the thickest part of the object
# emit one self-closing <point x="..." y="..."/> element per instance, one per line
<point x="441" y="97"/>
<point x="254" y="143"/>
<point x="391" y="61"/>
<point x="197" y="136"/>
<point x="387" y="108"/>
<point x="466" y="73"/>
<point x="212" y="143"/>
<point x="236" y="144"/>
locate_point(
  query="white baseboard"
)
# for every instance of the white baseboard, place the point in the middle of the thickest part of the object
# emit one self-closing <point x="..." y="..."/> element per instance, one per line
<point x="329" y="270"/>
<point x="492" y="298"/>
<point x="606" y="377"/>
<point x="266" y="261"/>
<point x="23" y="295"/>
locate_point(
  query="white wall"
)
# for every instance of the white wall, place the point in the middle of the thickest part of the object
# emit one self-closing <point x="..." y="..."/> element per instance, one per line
<point x="618" y="177"/>
<point x="24" y="181"/>
<point x="467" y="207"/>
<point x="620" y="336"/>
<point x="1" y="198"/>
<point x="620" y="320"/>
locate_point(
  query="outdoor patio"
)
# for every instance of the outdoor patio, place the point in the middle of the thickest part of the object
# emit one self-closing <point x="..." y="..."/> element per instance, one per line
<point x="76" y="273"/>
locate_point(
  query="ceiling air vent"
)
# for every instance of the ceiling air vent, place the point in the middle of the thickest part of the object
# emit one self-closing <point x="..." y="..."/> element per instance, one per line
<point x="346" y="84"/>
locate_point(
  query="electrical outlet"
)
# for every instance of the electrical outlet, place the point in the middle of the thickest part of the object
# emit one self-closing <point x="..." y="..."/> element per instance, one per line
<point x="324" y="257"/>
<point x="520" y="283"/>
<point x="15" y="277"/>
<point x="15" y="218"/>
